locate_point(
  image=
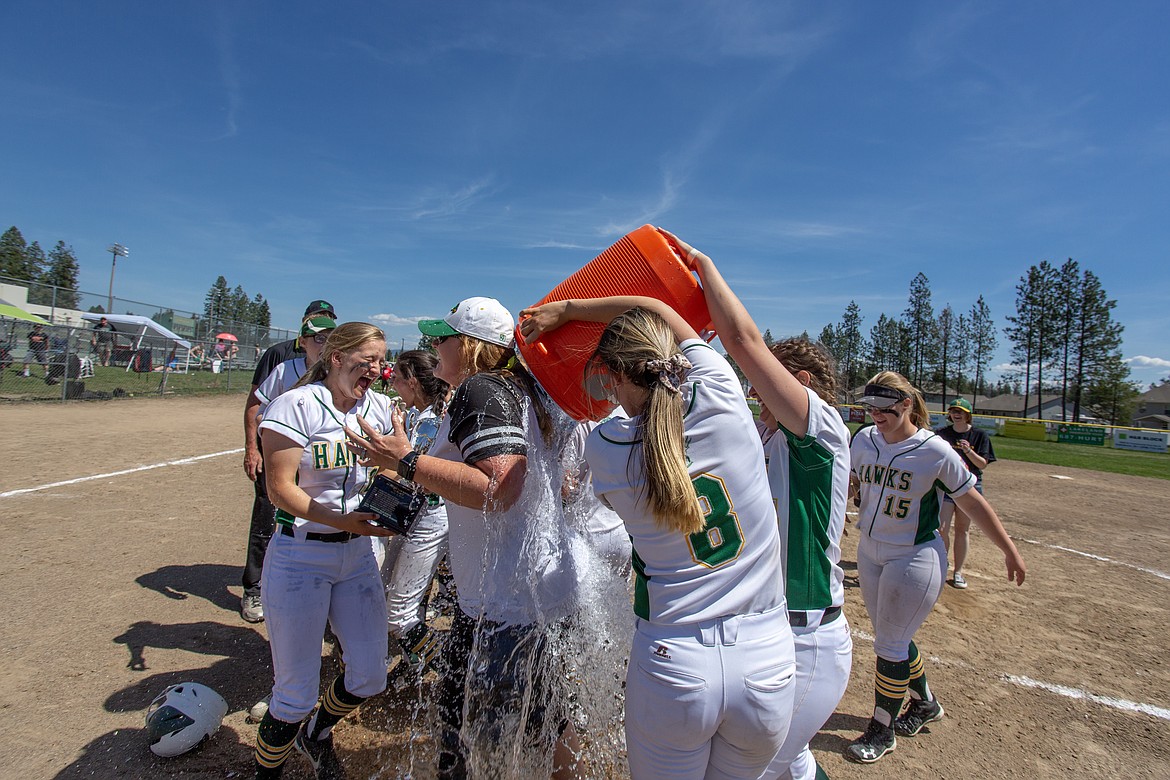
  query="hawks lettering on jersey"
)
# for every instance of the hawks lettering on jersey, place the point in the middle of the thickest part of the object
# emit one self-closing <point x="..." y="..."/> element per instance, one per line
<point x="877" y="474"/>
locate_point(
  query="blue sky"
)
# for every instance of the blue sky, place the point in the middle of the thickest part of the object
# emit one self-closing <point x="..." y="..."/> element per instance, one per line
<point x="395" y="157"/>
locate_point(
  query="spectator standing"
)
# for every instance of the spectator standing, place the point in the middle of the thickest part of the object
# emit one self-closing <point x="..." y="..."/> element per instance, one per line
<point x="38" y="344"/>
<point x="103" y="340"/>
<point x="974" y="447"/>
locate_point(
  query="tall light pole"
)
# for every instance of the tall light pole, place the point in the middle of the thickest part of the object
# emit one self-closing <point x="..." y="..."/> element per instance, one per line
<point x="116" y="251"/>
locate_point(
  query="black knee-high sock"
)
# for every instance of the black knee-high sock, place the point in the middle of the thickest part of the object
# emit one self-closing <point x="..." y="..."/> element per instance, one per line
<point x="918" y="687"/>
<point x="335" y="705"/>
<point x="889" y="689"/>
<point x="274" y="741"/>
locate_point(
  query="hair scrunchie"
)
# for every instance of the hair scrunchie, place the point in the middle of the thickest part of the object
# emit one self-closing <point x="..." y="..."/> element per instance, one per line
<point x="670" y="371"/>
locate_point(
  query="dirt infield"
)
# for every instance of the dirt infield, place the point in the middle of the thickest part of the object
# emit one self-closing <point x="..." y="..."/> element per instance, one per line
<point x="117" y="587"/>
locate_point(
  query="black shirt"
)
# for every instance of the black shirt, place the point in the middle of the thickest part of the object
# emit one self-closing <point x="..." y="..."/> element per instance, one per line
<point x="980" y="444"/>
<point x="273" y="357"/>
<point x="487" y="418"/>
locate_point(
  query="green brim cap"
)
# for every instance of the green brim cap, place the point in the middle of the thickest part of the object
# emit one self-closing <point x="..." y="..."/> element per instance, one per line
<point x="436" y="328"/>
<point x="961" y="403"/>
<point x="317" y="324"/>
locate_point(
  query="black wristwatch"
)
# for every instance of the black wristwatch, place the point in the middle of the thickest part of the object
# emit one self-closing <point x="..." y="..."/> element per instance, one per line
<point x="407" y="464"/>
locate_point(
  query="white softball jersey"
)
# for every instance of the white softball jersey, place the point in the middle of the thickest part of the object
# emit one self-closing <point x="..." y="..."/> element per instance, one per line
<point x="328" y="472"/>
<point x="902" y="484"/>
<point x="732" y="566"/>
<point x="282" y="379"/>
<point x="809" y="480"/>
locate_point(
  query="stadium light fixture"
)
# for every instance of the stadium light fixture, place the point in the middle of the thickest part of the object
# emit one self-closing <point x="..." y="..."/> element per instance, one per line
<point x="116" y="251"/>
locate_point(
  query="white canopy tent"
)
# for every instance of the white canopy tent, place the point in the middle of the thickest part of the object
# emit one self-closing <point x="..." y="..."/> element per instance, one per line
<point x="143" y="330"/>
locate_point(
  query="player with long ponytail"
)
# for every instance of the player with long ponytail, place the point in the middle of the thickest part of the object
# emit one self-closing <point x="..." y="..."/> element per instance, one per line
<point x="709" y="684"/>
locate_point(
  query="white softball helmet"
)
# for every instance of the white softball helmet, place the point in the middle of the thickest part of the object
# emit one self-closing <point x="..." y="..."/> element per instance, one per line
<point x="182" y="717"/>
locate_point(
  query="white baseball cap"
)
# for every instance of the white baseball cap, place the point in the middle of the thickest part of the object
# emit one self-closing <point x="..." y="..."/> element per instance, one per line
<point x="485" y="319"/>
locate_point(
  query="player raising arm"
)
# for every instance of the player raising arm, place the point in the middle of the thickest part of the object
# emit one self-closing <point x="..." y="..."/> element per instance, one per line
<point x="806" y="448"/>
<point x="710" y="679"/>
<point x="902" y="468"/>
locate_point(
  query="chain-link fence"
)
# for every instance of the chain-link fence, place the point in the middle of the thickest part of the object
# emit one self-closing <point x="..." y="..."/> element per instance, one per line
<point x="145" y="349"/>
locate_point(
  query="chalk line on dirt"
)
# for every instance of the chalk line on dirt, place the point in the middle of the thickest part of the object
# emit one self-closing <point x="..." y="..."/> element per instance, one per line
<point x="123" y="472"/>
<point x="1161" y="574"/>
<point x="1060" y="690"/>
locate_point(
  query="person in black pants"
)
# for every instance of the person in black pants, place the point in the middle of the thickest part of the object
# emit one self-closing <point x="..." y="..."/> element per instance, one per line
<point x="263" y="512"/>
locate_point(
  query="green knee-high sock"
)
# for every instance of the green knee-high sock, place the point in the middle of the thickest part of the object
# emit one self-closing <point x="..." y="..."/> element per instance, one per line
<point x="274" y="741"/>
<point x="889" y="689"/>
<point x="335" y="705"/>
<point x="919" y="689"/>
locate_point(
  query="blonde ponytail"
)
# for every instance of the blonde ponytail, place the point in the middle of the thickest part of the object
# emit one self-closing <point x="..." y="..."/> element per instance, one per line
<point x="639" y="346"/>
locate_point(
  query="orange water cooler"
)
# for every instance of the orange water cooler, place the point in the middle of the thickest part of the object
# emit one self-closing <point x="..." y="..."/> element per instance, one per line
<point x="641" y="263"/>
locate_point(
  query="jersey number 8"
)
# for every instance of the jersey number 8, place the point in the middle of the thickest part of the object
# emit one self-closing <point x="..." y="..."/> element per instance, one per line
<point x="721" y="539"/>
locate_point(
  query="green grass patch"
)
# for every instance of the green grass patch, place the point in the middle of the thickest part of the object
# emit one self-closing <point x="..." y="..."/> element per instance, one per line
<point x="1079" y="456"/>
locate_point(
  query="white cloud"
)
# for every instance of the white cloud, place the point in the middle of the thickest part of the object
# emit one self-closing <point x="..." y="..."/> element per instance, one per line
<point x="438" y="205"/>
<point x="394" y="319"/>
<point x="1144" y="361"/>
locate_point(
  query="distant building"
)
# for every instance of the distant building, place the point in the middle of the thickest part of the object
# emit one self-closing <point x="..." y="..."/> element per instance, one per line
<point x="1046" y="407"/>
<point x="1152" y="409"/>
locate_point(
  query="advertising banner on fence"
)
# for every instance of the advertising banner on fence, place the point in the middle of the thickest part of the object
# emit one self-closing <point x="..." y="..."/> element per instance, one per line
<point x="1025" y="429"/>
<point x="1080" y="434"/>
<point x="1145" y="441"/>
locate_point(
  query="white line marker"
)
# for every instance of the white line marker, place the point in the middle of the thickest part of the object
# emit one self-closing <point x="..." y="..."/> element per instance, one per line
<point x="1161" y="574"/>
<point x="179" y="462"/>
<point x="1077" y="693"/>
<point x="1061" y="690"/>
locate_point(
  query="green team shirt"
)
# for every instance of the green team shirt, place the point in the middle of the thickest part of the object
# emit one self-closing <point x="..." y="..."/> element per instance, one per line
<point x="809" y="481"/>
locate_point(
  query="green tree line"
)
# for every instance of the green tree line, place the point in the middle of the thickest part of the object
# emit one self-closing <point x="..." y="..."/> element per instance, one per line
<point x="1064" y="341"/>
<point x="25" y="262"/>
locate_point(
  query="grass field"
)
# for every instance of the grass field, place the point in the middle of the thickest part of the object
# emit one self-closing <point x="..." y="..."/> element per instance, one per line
<point x="14" y="387"/>
<point x="1138" y="464"/>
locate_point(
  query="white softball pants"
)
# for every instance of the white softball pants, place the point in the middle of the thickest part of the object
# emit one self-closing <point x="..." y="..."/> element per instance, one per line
<point x="711" y="699"/>
<point x="824" y="659"/>
<point x="304" y="584"/>
<point x="409" y="572"/>
<point x="900" y="584"/>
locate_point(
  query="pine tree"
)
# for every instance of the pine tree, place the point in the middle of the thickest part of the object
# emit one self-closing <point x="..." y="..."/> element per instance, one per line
<point x="13" y="256"/>
<point x="1068" y="302"/>
<point x="983" y="341"/>
<point x="1031" y="327"/>
<point x="1098" y="340"/>
<point x="215" y="306"/>
<point x="61" y="273"/>
<point x="920" y="327"/>
<point x="945" y="328"/>
<point x="851" y="346"/>
<point x="37" y="263"/>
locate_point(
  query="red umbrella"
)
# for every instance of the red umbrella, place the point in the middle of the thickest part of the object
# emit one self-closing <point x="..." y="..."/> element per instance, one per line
<point x="227" y="337"/>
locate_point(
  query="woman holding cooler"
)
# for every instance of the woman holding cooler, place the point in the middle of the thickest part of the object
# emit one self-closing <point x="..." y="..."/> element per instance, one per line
<point x="320" y="564"/>
<point x="806" y="447"/>
<point x="710" y="680"/>
<point x="902" y="469"/>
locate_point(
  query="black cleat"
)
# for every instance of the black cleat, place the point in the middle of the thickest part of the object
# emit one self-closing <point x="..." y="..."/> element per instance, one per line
<point x="873" y="744"/>
<point x="320" y="752"/>
<point x="917" y="715"/>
